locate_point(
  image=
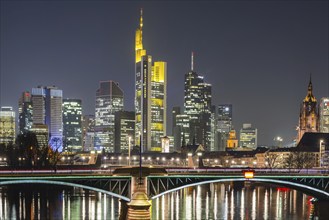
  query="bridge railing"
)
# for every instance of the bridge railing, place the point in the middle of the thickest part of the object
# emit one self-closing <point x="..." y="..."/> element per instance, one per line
<point x="314" y="171"/>
<point x="51" y="171"/>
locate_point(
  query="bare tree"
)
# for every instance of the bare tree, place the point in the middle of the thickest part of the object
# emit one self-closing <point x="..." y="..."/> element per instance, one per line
<point x="271" y="160"/>
<point x="54" y="152"/>
<point x="289" y="161"/>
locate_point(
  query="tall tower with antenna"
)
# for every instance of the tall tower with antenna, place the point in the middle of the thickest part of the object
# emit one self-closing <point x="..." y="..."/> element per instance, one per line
<point x="150" y="96"/>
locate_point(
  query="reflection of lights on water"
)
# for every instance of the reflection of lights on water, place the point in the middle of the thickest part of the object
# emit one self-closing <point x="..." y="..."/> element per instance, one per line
<point x="198" y="199"/>
<point x="177" y="205"/>
<point x="242" y="204"/>
<point x="163" y="209"/>
<point x="188" y="214"/>
<point x="172" y="201"/>
<point x="253" y="205"/>
<point x="232" y="204"/>
<point x="266" y="204"/>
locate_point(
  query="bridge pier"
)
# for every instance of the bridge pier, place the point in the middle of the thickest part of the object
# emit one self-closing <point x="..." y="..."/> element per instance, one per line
<point x="138" y="207"/>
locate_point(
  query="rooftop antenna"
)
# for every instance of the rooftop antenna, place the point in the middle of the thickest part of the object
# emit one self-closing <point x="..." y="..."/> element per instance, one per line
<point x="192" y="60"/>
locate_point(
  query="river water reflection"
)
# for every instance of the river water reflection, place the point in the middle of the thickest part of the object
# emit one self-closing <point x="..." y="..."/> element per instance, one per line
<point x="211" y="201"/>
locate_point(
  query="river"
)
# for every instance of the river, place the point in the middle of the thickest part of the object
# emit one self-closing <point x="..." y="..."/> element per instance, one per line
<point x="211" y="201"/>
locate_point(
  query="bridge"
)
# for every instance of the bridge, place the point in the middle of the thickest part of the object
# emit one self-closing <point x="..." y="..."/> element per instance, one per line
<point x="155" y="183"/>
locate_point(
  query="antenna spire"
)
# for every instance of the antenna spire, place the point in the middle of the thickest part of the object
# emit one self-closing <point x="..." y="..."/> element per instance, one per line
<point x="192" y="61"/>
<point x="141" y="20"/>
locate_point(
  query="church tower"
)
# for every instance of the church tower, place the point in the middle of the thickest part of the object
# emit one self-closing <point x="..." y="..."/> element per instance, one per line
<point x="309" y="115"/>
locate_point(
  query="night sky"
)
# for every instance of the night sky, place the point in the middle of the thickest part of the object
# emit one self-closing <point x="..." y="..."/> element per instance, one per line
<point x="258" y="55"/>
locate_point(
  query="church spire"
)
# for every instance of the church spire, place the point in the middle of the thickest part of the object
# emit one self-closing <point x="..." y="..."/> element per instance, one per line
<point x="310" y="88"/>
<point x="310" y="97"/>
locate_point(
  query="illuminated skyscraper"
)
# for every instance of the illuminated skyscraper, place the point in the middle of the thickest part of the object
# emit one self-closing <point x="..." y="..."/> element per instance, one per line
<point x="25" y="112"/>
<point x="72" y="125"/>
<point x="7" y="125"/>
<point x="47" y="109"/>
<point x="324" y="115"/>
<point x="224" y="125"/>
<point x="308" y="117"/>
<point x="109" y="100"/>
<point x="197" y="103"/>
<point x="150" y="96"/>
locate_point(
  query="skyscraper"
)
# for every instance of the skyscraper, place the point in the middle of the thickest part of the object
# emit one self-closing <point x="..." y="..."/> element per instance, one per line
<point x="124" y="131"/>
<point x="47" y="109"/>
<point x="308" y="117"/>
<point x="324" y="115"/>
<point x="150" y="96"/>
<point x="224" y="124"/>
<point x="248" y="137"/>
<point x="197" y="104"/>
<point x="25" y="112"/>
<point x="72" y="125"/>
<point x="7" y="125"/>
<point x="109" y="100"/>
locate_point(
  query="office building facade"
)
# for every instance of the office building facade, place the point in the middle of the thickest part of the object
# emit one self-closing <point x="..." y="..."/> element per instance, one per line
<point x="72" y="125"/>
<point x="248" y="137"/>
<point x="324" y="115"/>
<point x="124" y="131"/>
<point x="109" y="100"/>
<point x="47" y="109"/>
<point x="7" y="125"/>
<point x="25" y="113"/>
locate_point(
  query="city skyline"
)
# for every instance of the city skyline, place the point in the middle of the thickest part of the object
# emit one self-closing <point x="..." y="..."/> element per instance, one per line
<point x="237" y="45"/>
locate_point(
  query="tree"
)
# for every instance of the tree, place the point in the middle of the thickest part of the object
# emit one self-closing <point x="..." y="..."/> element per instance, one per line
<point x="27" y="147"/>
<point x="300" y="160"/>
<point x="271" y="159"/>
<point x="54" y="152"/>
<point x="289" y="161"/>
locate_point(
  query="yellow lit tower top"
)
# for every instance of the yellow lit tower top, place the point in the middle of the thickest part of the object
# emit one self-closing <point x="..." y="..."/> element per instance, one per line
<point x="139" y="40"/>
<point x="310" y="97"/>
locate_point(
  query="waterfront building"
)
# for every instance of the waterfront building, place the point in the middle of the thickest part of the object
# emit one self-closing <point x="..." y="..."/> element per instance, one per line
<point x="72" y="125"/>
<point x="150" y="96"/>
<point x="109" y="100"/>
<point x="197" y="105"/>
<point x="7" y="125"/>
<point x="324" y="115"/>
<point x="25" y="114"/>
<point x="47" y="109"/>
<point x="248" y="137"/>
<point x="124" y="131"/>
<point x="308" y="117"/>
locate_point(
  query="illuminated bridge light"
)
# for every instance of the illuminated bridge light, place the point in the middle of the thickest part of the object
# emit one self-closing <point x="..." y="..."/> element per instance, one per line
<point x="249" y="174"/>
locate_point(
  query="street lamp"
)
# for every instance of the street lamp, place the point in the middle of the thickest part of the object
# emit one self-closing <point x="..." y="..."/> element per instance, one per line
<point x="320" y="153"/>
<point x="105" y="161"/>
<point x="129" y="140"/>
